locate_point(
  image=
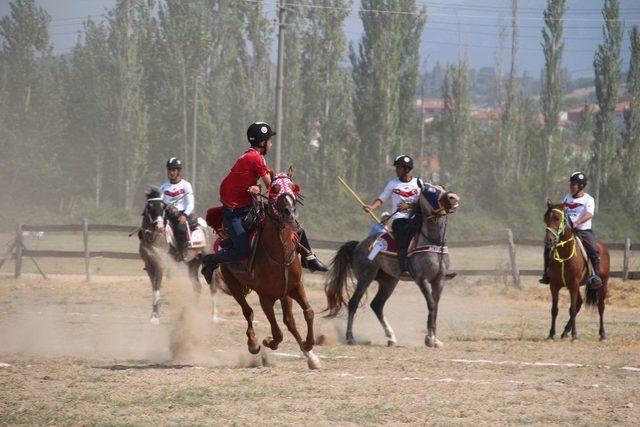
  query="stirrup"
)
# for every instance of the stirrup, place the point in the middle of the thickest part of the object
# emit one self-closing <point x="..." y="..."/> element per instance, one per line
<point x="595" y="282"/>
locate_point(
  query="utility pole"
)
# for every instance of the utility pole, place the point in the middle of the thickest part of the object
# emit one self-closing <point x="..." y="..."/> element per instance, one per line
<point x="279" y="84"/>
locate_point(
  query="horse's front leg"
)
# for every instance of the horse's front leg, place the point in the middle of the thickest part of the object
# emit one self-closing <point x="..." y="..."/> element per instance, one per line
<point x="267" y="307"/>
<point x="554" y="311"/>
<point x="194" y="266"/>
<point x="573" y="312"/>
<point x="432" y="297"/>
<point x="155" y="272"/>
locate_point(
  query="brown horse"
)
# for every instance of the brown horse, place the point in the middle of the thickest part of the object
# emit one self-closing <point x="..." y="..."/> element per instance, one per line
<point x="567" y="267"/>
<point x="276" y="272"/>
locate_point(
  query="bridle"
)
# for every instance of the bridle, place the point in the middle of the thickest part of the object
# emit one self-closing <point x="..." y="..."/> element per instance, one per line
<point x="151" y="221"/>
<point x="284" y="192"/>
<point x="559" y="243"/>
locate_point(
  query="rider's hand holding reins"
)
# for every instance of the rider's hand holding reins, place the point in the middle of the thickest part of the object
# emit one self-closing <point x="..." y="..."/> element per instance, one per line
<point x="254" y="190"/>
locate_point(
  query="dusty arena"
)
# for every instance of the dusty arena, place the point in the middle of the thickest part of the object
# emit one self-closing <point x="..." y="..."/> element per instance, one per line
<point x="78" y="353"/>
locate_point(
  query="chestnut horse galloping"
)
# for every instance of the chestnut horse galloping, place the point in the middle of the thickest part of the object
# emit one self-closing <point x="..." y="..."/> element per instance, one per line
<point x="568" y="267"/>
<point x="276" y="272"/>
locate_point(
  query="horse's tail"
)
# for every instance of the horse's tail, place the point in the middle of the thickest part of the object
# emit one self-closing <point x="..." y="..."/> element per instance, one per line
<point x="592" y="296"/>
<point x="336" y="284"/>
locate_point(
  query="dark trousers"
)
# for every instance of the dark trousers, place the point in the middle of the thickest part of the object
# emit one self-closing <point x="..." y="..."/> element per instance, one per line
<point x="591" y="246"/>
<point x="181" y="229"/>
<point x="232" y="223"/>
<point x="403" y="230"/>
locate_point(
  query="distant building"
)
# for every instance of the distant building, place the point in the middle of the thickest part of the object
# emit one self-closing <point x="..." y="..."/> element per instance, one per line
<point x="574" y="114"/>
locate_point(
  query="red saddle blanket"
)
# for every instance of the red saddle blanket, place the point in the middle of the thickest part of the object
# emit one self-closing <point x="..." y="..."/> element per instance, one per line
<point x="388" y="246"/>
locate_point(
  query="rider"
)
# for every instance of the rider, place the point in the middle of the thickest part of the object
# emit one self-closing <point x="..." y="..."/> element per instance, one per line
<point x="580" y="208"/>
<point x="178" y="194"/>
<point x="236" y="192"/>
<point x="404" y="192"/>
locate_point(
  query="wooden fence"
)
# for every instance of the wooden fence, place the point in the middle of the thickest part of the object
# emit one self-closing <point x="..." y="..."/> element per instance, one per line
<point x="19" y="251"/>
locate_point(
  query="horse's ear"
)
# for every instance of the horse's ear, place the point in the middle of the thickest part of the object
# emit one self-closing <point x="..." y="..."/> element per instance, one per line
<point x="296" y="189"/>
<point x="290" y="172"/>
<point x="549" y="203"/>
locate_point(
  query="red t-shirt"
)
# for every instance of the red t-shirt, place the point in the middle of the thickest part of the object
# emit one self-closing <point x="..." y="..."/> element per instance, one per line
<point x="245" y="173"/>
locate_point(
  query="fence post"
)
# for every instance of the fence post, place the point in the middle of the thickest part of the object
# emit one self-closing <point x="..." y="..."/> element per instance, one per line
<point x="512" y="255"/>
<point x="19" y="246"/>
<point x="87" y="255"/>
<point x="625" y="260"/>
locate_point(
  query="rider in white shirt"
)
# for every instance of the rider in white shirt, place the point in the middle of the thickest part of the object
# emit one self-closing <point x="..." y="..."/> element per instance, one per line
<point x="579" y="208"/>
<point x="404" y="191"/>
<point x="178" y="193"/>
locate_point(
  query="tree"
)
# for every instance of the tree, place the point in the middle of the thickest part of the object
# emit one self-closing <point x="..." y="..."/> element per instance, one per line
<point x="454" y="123"/>
<point x="326" y="111"/>
<point x="384" y="65"/>
<point x="606" y="65"/>
<point x="552" y="90"/>
<point x="631" y="134"/>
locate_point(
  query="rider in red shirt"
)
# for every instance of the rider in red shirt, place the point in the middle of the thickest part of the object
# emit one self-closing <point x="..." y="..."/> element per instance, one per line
<point x="235" y="194"/>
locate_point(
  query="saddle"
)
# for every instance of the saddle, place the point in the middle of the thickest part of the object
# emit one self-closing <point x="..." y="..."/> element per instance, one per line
<point x="252" y="225"/>
<point x="385" y="244"/>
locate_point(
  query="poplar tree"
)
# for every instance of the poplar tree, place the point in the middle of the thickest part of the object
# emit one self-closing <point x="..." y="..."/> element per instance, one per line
<point x="631" y="134"/>
<point x="606" y="65"/>
<point x="552" y="89"/>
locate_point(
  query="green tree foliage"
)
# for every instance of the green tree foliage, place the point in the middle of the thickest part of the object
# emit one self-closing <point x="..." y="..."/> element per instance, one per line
<point x="552" y="46"/>
<point x="631" y="134"/>
<point x="606" y="65"/>
<point x="384" y="63"/>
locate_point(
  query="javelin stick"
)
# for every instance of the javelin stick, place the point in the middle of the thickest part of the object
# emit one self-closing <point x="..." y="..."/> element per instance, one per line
<point x="353" y="193"/>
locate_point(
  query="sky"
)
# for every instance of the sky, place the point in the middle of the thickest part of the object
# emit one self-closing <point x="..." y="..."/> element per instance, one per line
<point x="451" y="25"/>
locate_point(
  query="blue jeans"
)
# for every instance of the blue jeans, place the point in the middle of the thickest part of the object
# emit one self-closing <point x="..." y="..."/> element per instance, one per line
<point x="232" y="223"/>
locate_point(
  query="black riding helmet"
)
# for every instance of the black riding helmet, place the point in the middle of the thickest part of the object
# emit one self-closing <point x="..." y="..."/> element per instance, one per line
<point x="174" y="163"/>
<point x="258" y="132"/>
<point x="579" y="178"/>
<point x="405" y="161"/>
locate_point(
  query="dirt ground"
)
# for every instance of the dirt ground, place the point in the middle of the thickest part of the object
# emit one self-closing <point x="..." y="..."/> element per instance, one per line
<point x="77" y="353"/>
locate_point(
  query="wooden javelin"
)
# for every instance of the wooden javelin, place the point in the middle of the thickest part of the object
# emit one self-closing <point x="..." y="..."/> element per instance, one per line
<point x="353" y="193"/>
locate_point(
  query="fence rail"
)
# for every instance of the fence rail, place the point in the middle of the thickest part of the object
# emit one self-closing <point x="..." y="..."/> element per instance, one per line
<point x="18" y="250"/>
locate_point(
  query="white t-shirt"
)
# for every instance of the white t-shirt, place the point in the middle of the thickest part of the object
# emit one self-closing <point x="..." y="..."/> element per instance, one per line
<point x="171" y="192"/>
<point x="399" y="191"/>
<point x="578" y="206"/>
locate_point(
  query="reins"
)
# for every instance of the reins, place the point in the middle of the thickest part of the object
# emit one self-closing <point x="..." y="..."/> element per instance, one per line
<point x="288" y="259"/>
<point x="561" y="243"/>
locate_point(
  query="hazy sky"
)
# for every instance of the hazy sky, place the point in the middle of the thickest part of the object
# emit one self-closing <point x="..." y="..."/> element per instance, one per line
<point x="450" y="25"/>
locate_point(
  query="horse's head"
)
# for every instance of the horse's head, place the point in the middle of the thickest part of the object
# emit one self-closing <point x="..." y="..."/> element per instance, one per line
<point x="283" y="196"/>
<point x="556" y="222"/>
<point x="436" y="201"/>
<point x="154" y="208"/>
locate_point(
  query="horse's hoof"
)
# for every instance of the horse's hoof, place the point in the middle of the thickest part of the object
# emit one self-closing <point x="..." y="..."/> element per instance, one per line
<point x="391" y="343"/>
<point x="351" y="341"/>
<point x="433" y="342"/>
<point x="270" y="343"/>
<point x="155" y="320"/>
<point x="563" y="336"/>
<point x="551" y="338"/>
<point x="574" y="338"/>
<point x="254" y="350"/>
<point x="312" y="360"/>
<point x="603" y="338"/>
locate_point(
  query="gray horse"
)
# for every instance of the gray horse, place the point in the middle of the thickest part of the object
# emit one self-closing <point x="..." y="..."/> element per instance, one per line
<point x="428" y="267"/>
<point x="155" y="251"/>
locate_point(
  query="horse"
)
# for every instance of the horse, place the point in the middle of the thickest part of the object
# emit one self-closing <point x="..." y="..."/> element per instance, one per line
<point x="427" y="267"/>
<point x="274" y="272"/>
<point x="568" y="267"/>
<point x="154" y="249"/>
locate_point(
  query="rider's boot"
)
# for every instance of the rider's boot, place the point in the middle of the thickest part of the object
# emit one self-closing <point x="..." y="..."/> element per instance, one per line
<point x="595" y="281"/>
<point x="309" y="260"/>
<point x="209" y="265"/>
<point x="545" y="274"/>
